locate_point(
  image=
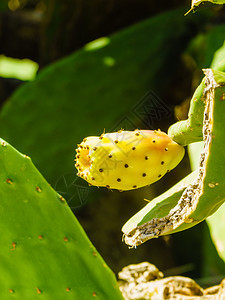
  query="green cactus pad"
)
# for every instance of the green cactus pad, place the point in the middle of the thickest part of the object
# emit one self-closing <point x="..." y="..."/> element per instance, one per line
<point x="190" y="130"/>
<point x="44" y="252"/>
<point x="159" y="206"/>
<point x="205" y="194"/>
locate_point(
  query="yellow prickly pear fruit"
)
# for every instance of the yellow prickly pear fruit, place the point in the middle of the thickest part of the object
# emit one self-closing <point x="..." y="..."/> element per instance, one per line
<point x="127" y="160"/>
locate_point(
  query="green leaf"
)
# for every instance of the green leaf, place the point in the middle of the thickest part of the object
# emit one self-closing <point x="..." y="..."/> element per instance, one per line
<point x="44" y="250"/>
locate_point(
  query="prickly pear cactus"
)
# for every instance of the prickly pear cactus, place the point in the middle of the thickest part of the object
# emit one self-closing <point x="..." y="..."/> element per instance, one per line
<point x="102" y="66"/>
<point x="44" y="252"/>
<point x="127" y="160"/>
<point x="200" y="194"/>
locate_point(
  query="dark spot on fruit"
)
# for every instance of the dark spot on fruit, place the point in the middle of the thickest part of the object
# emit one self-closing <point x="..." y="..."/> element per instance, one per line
<point x="146" y="157"/>
<point x="137" y="133"/>
<point x="92" y="178"/>
<point x="162" y="162"/>
<point x="95" y="148"/>
<point x="144" y="174"/>
<point x="101" y="137"/>
<point x="116" y="141"/>
<point x="159" y="175"/>
<point x="134" y="186"/>
<point x="107" y="186"/>
<point x="153" y="141"/>
<point x="133" y="148"/>
<point x="166" y="149"/>
<point x="118" y="179"/>
<point x="100" y="170"/>
<point x="126" y="166"/>
<point x="110" y="155"/>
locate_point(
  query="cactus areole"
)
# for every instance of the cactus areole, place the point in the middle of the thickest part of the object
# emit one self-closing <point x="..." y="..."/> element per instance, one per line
<point x="127" y="160"/>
